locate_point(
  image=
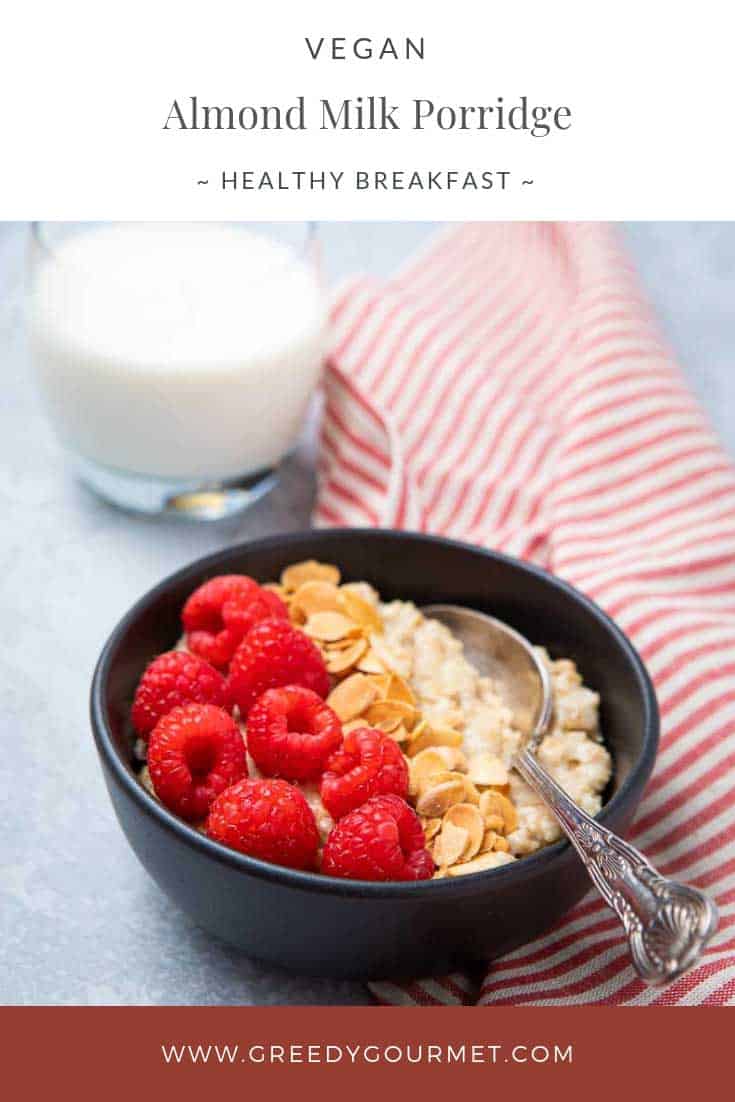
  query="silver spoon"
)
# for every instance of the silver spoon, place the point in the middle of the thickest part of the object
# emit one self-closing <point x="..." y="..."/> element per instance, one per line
<point x="667" y="923"/>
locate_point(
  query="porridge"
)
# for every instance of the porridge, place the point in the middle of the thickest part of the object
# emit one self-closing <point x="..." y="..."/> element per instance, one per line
<point x="386" y="720"/>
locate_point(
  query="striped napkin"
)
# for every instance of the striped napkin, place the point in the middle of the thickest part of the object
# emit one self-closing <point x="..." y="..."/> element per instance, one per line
<point x="510" y="388"/>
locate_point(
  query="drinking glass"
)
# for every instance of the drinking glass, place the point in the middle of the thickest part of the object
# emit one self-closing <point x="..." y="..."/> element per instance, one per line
<point x="176" y="361"/>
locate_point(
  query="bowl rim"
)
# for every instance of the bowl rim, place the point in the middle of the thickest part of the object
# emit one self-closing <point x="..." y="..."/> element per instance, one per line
<point x="316" y="882"/>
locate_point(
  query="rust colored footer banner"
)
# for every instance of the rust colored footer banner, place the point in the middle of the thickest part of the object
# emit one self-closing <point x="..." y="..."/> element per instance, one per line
<point x="219" y="1053"/>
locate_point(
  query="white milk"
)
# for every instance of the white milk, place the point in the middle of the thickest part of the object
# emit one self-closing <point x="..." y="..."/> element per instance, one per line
<point x="181" y="352"/>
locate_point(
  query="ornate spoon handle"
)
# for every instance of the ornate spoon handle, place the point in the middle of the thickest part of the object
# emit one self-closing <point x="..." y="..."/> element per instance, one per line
<point x="667" y="924"/>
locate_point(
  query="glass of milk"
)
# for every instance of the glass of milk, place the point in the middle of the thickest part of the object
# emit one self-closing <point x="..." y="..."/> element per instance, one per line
<point x="177" y="360"/>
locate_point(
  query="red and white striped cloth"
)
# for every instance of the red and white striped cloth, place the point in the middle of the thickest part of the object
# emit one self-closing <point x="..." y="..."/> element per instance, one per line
<point x="509" y="387"/>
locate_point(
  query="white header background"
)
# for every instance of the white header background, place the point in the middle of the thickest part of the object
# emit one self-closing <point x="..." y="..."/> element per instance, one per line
<point x="86" y="87"/>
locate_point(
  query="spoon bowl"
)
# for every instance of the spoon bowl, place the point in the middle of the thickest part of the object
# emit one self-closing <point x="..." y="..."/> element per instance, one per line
<point x="504" y="655"/>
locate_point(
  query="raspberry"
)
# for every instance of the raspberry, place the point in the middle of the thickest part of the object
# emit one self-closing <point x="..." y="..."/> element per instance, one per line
<point x="291" y="733"/>
<point x="368" y="764"/>
<point x="381" y="840"/>
<point x="171" y="679"/>
<point x="268" y="819"/>
<point x="194" y="753"/>
<point x="246" y="610"/>
<point x="272" y="654"/>
<point x="220" y="613"/>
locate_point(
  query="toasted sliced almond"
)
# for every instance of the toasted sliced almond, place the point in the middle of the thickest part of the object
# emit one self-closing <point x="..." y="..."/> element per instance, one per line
<point x="431" y="828"/>
<point x="337" y="645"/>
<point x="481" y="864"/>
<point x="370" y="663"/>
<point x="487" y="769"/>
<point x="341" y="661"/>
<point x="362" y="589"/>
<point x="425" y="736"/>
<point x="309" y="571"/>
<point x="380" y="680"/>
<point x="448" y="733"/>
<point x="454" y="759"/>
<point x="399" y="734"/>
<point x="399" y="689"/>
<point x="441" y="777"/>
<point x="360" y="610"/>
<point x="441" y="758"/>
<point x="467" y="818"/>
<point x="494" y="841"/>
<point x="423" y="767"/>
<point x="471" y="793"/>
<point x="330" y="626"/>
<point x="494" y="803"/>
<point x="439" y="798"/>
<point x="387" y="724"/>
<point x="418" y="730"/>
<point x="380" y="650"/>
<point x="314" y="597"/>
<point x="352" y="697"/>
<point x="450" y="844"/>
<point x="494" y="822"/>
<point x="489" y="838"/>
<point x="386" y="715"/>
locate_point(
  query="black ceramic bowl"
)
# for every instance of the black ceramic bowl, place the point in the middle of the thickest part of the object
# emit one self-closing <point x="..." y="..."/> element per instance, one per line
<point x="327" y="927"/>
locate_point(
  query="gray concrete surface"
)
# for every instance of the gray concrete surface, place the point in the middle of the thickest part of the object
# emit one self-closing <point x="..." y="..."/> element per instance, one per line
<point x="80" y="922"/>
